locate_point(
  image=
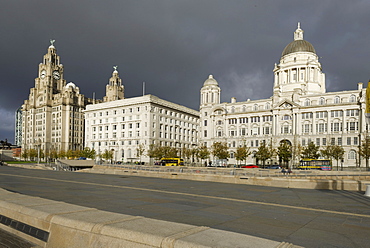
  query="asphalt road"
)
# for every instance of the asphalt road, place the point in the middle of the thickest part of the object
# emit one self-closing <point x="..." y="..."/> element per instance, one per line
<point x="310" y="218"/>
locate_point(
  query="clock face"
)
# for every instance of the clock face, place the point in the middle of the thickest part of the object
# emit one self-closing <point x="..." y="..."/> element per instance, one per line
<point x="43" y="74"/>
<point x="56" y="74"/>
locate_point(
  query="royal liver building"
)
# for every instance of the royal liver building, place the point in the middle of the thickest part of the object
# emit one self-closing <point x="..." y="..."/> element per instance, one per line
<point x="52" y="117"/>
<point x="300" y="110"/>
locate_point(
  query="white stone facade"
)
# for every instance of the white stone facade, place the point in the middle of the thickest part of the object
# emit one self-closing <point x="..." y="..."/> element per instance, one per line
<point x="123" y="125"/>
<point x="299" y="111"/>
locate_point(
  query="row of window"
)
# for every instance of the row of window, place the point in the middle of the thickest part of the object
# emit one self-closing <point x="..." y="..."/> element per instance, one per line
<point x="114" y="127"/>
<point x="137" y="110"/>
<point x="333" y="141"/>
<point x="337" y="100"/>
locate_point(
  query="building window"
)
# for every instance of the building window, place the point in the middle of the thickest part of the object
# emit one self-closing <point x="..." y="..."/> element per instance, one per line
<point x="318" y="141"/>
<point x="332" y="141"/>
<point x="322" y="101"/>
<point x="324" y="141"/>
<point x="242" y="120"/>
<point x="336" y="99"/>
<point x="352" y="112"/>
<point x="339" y="141"/>
<point x="337" y="113"/>
<point x="307" y="116"/>
<point x="352" y="98"/>
<point x="205" y="133"/>
<point x="243" y="131"/>
<point x="267" y="130"/>
<point x="307" y="102"/>
<point x="352" y="154"/>
<point x="348" y="141"/>
<point x="205" y="122"/>
<point x="355" y="141"/>
<point x="233" y="121"/>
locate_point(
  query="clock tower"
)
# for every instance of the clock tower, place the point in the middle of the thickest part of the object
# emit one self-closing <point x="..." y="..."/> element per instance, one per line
<point x="53" y="118"/>
<point x="51" y="71"/>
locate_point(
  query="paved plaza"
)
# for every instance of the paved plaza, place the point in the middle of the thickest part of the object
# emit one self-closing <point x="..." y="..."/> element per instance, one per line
<point x="309" y="218"/>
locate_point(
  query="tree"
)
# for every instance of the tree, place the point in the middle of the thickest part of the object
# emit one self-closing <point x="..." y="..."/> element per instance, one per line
<point x="53" y="154"/>
<point x="154" y="151"/>
<point x="220" y="150"/>
<point x="140" y="149"/>
<point x="107" y="154"/>
<point x="88" y="153"/>
<point x="338" y="153"/>
<point x="25" y="154"/>
<point x="70" y="154"/>
<point x="62" y="154"/>
<point x="170" y="152"/>
<point x="333" y="152"/>
<point x="364" y="150"/>
<point x="242" y="153"/>
<point x="202" y="153"/>
<point x="284" y="151"/>
<point x="187" y="153"/>
<point x="311" y="151"/>
<point x="263" y="153"/>
<point x="32" y="154"/>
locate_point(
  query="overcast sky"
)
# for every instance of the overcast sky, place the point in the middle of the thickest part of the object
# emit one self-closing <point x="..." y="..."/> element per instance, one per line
<point x="174" y="45"/>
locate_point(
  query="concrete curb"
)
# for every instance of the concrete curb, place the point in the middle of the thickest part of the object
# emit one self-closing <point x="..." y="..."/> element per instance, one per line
<point x="66" y="225"/>
<point x="282" y="182"/>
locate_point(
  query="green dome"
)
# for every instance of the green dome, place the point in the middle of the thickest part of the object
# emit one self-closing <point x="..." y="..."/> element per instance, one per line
<point x="298" y="46"/>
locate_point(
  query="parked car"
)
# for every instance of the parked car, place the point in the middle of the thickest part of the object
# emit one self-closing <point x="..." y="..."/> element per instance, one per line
<point x="249" y="166"/>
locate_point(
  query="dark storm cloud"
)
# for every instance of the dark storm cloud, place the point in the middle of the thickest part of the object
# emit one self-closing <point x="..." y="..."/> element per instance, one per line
<point x="174" y="45"/>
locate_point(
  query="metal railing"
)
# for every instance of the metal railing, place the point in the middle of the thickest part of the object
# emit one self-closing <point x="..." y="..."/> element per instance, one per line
<point x="296" y="174"/>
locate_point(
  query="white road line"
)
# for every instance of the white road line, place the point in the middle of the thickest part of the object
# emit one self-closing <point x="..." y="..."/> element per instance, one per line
<point x="196" y="195"/>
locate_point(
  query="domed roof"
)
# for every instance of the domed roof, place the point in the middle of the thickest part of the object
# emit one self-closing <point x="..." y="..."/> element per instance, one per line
<point x="210" y="81"/>
<point x="298" y="46"/>
<point x="70" y="84"/>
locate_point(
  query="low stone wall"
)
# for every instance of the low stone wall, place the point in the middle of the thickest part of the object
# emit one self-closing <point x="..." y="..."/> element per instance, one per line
<point x="48" y="223"/>
<point x="283" y="182"/>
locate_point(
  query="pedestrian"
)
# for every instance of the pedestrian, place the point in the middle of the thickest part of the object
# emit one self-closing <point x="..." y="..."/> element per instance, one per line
<point x="283" y="171"/>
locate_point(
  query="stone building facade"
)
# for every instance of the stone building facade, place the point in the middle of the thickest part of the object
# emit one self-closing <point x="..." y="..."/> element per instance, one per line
<point x="300" y="110"/>
<point x="52" y="116"/>
<point x="121" y="125"/>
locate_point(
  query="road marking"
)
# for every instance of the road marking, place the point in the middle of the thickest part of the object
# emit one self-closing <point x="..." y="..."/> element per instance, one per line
<point x="196" y="195"/>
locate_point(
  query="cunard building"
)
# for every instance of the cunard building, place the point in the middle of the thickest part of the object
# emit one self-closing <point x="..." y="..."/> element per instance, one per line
<point x="300" y="110"/>
<point x="52" y="117"/>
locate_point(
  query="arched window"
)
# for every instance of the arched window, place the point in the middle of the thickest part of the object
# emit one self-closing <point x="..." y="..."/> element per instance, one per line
<point x="337" y="99"/>
<point x="352" y="98"/>
<point x="352" y="154"/>
<point x="267" y="106"/>
<point x="232" y="109"/>
<point x="322" y="101"/>
<point x="244" y="109"/>
<point x="307" y="102"/>
<point x="255" y="107"/>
